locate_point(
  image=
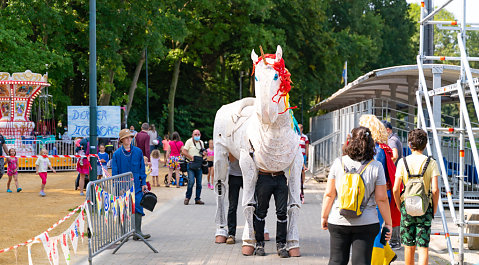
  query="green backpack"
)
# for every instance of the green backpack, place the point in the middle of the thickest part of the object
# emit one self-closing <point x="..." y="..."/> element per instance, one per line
<point x="416" y="198"/>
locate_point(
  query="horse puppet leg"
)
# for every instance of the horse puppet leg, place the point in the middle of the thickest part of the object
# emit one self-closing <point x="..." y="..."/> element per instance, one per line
<point x="221" y="172"/>
<point x="294" y="186"/>
<point x="249" y="170"/>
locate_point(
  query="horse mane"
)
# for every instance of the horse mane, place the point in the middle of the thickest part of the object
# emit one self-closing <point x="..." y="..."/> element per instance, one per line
<point x="284" y="75"/>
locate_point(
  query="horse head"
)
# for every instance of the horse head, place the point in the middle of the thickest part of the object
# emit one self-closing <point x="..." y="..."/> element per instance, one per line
<point x="272" y="84"/>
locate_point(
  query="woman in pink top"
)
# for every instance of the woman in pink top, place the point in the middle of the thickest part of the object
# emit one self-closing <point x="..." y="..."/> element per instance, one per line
<point x="174" y="156"/>
<point x="166" y="145"/>
<point x="210" y="155"/>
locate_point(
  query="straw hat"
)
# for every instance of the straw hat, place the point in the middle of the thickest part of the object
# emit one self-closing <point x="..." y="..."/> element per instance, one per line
<point x="125" y="133"/>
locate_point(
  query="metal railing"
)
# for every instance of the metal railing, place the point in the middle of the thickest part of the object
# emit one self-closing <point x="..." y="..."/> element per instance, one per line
<point x="111" y="213"/>
<point x="323" y="152"/>
<point x="29" y="147"/>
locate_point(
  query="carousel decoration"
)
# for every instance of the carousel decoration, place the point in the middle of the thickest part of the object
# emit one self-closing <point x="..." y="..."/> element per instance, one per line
<point x="17" y="94"/>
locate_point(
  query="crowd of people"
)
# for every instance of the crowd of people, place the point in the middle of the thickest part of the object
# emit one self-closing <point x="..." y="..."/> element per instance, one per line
<point x="385" y="219"/>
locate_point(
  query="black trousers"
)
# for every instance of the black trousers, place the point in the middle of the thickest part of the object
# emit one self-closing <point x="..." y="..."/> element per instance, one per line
<point x="360" y="239"/>
<point x="266" y="186"/>
<point x="235" y="183"/>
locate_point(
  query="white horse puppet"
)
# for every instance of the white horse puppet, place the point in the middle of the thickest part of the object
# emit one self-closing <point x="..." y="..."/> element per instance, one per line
<point x="259" y="133"/>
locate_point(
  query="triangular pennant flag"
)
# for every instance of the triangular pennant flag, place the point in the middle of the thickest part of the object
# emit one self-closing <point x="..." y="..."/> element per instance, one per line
<point x="29" y="249"/>
<point x="55" y="251"/>
<point x="115" y="208"/>
<point x="127" y="204"/>
<point x="106" y="205"/>
<point x="73" y="238"/>
<point x="47" y="245"/>
<point x="122" y="206"/>
<point x="132" y="193"/>
<point x="65" y="248"/>
<point x="81" y="226"/>
<point x="98" y="198"/>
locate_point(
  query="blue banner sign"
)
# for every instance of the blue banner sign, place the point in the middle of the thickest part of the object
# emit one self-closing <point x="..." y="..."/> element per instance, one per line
<point x="108" y="121"/>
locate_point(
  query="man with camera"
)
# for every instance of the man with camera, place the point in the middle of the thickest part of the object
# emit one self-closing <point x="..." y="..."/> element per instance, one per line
<point x="194" y="151"/>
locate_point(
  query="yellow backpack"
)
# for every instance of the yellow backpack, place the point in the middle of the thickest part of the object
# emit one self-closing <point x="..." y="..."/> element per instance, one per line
<point x="352" y="191"/>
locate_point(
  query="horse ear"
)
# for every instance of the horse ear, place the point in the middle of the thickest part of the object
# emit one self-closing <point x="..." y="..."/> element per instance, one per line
<point x="254" y="56"/>
<point x="279" y="53"/>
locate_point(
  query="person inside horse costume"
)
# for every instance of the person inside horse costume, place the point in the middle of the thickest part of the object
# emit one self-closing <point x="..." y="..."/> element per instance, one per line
<point x="260" y="133"/>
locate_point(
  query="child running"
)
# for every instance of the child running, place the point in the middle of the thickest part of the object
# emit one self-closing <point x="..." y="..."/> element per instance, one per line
<point x="147" y="172"/>
<point x="155" y="161"/>
<point x="12" y="170"/>
<point x="210" y="155"/>
<point x="42" y="164"/>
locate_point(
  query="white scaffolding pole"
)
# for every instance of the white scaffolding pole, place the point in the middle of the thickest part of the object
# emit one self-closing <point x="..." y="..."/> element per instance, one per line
<point x="465" y="125"/>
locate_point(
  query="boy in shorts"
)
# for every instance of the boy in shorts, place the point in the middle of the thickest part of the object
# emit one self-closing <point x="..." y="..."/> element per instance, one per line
<point x="416" y="230"/>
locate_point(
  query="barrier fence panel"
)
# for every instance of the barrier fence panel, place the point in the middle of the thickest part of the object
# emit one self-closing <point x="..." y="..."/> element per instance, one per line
<point x="31" y="147"/>
<point x="111" y="213"/>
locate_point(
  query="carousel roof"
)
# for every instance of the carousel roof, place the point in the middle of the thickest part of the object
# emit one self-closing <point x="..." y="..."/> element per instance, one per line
<point x="379" y="81"/>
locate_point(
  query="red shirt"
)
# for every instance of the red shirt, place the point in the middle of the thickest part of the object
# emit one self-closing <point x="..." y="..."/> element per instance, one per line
<point x="142" y="140"/>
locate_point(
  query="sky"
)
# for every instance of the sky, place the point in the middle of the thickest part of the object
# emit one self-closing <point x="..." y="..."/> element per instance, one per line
<point x="472" y="8"/>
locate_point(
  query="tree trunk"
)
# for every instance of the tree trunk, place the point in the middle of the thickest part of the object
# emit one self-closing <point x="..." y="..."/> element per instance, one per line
<point x="105" y="95"/>
<point x="171" y="97"/>
<point x="134" y="82"/>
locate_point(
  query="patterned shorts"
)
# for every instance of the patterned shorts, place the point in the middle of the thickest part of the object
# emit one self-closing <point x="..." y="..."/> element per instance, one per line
<point x="174" y="162"/>
<point x="416" y="230"/>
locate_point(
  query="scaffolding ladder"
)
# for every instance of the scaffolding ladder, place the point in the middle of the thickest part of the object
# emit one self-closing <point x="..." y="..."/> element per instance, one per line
<point x="465" y="86"/>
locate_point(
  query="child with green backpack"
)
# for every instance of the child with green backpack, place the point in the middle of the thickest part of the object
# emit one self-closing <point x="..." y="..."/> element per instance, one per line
<point x="419" y="198"/>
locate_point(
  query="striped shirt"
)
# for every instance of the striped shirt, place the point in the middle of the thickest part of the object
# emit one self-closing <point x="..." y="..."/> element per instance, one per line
<point x="303" y="141"/>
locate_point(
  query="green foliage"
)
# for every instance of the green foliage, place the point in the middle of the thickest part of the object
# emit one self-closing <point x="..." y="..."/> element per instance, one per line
<point x="213" y="38"/>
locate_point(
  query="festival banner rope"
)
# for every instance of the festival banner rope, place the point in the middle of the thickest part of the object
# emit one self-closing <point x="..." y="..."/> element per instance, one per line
<point x="36" y="239"/>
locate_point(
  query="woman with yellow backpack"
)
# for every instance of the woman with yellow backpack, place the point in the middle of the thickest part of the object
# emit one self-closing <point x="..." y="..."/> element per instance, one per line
<point x="356" y="185"/>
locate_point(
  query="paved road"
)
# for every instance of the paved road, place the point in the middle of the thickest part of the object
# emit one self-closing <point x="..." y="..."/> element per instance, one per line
<point x="185" y="235"/>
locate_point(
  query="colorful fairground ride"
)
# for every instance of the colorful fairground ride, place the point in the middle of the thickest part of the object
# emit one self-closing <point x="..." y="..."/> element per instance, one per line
<point x="17" y="96"/>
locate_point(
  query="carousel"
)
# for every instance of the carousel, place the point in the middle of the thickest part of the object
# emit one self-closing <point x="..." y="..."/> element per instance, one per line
<point x="17" y="94"/>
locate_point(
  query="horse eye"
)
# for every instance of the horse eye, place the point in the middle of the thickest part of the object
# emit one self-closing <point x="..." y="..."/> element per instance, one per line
<point x="275" y="76"/>
<point x="255" y="78"/>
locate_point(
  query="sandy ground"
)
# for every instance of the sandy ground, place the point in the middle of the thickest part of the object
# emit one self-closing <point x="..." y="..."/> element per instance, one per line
<point x="26" y="214"/>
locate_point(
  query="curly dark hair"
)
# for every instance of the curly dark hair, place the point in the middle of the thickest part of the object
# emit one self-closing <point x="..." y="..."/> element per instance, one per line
<point x="417" y="139"/>
<point x="361" y="145"/>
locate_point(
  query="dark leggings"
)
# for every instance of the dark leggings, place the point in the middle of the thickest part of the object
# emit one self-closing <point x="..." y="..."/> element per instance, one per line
<point x="358" y="239"/>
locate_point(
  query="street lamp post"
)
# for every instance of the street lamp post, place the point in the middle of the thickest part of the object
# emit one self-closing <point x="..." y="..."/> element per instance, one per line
<point x="147" y="97"/>
<point x="93" y="90"/>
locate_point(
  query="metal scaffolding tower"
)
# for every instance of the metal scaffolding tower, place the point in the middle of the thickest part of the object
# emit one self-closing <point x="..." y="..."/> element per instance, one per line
<point x="465" y="87"/>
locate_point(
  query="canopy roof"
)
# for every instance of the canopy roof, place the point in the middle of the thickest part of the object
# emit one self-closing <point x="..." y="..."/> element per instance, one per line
<point x="379" y="82"/>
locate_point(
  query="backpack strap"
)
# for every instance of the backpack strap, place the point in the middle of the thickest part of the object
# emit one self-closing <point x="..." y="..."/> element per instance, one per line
<point x="425" y="166"/>
<point x="407" y="168"/>
<point x="363" y="167"/>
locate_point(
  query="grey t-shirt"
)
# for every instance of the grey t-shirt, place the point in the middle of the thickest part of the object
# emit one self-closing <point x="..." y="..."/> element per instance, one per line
<point x="394" y="142"/>
<point x="373" y="176"/>
<point x="235" y="169"/>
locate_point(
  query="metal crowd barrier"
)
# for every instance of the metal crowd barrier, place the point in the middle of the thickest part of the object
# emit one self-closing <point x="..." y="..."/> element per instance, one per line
<point x="108" y="224"/>
<point x="54" y="147"/>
